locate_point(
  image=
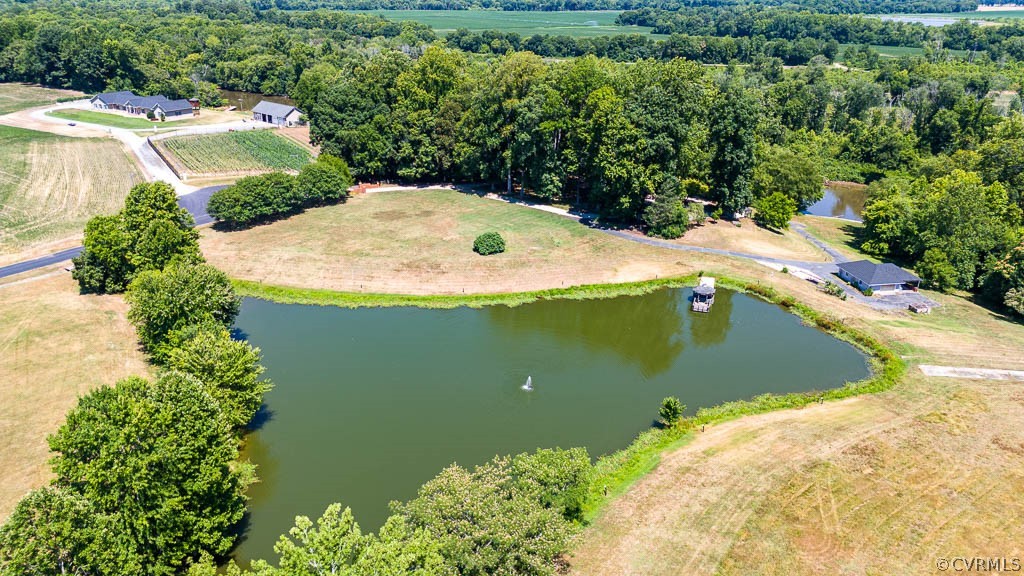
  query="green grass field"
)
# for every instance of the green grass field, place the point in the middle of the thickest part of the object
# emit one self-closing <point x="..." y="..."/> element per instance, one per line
<point x="15" y="96"/>
<point x="239" y="152"/>
<point x="896" y="51"/>
<point x="104" y="119"/>
<point x="582" y="23"/>
<point x="943" y="18"/>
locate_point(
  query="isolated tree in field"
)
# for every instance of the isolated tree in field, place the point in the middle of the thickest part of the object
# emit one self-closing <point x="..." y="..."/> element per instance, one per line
<point x="788" y="173"/>
<point x="774" y="211"/>
<point x="733" y="139"/>
<point x="161" y="302"/>
<point x="489" y="243"/>
<point x="57" y="531"/>
<point x="324" y="181"/>
<point x="157" y="458"/>
<point x="671" y="410"/>
<point x="229" y="369"/>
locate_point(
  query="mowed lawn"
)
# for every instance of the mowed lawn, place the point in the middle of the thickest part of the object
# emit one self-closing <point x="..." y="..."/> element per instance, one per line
<point x="15" y="96"/>
<point x="139" y="123"/>
<point x="55" y="345"/>
<point x="51" y="185"/>
<point x="251" y="151"/>
<point x="421" y="242"/>
<point x="524" y="23"/>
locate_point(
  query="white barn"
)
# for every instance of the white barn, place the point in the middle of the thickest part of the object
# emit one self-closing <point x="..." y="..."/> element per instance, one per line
<point x="277" y="114"/>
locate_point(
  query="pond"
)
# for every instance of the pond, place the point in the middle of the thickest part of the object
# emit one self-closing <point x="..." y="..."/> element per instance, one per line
<point x="840" y="202"/>
<point x="246" y="100"/>
<point x="371" y="403"/>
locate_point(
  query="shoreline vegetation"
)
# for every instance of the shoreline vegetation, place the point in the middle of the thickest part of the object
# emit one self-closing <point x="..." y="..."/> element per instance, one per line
<point x="614" y="473"/>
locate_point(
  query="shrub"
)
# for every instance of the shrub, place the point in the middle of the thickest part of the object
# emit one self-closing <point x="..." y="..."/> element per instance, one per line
<point x="833" y="289"/>
<point x="671" y="410"/>
<point x="774" y="211"/>
<point x="489" y="243"/>
<point x="325" y="181"/>
<point x="868" y="291"/>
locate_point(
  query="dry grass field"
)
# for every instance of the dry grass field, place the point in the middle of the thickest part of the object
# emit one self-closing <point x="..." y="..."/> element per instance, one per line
<point x="421" y="243"/>
<point x="55" y="345"/>
<point x="753" y="239"/>
<point x="14" y="96"/>
<point x="51" y="185"/>
<point x="841" y="234"/>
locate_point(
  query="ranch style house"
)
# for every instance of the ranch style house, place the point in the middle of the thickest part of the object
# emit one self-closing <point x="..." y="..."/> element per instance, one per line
<point x="884" y="278"/>
<point x="277" y="114"/>
<point x="132" y="103"/>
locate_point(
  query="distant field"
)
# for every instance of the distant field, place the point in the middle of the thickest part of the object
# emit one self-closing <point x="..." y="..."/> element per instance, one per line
<point x="14" y="97"/>
<point x="945" y="18"/>
<point x="583" y="23"/>
<point x="251" y="151"/>
<point x="50" y="185"/>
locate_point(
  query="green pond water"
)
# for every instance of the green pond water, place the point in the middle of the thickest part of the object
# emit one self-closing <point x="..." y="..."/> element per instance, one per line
<point x="371" y="403"/>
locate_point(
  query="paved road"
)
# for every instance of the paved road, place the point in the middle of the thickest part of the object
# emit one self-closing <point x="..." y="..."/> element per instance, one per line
<point x="195" y="203"/>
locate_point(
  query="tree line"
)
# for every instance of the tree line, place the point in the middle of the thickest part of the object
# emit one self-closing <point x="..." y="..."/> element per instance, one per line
<point x="823" y="6"/>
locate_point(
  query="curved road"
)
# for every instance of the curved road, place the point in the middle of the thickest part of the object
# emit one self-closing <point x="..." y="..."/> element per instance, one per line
<point x="194" y="202"/>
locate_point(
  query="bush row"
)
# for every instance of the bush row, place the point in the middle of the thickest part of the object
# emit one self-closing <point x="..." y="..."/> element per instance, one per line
<point x="256" y="199"/>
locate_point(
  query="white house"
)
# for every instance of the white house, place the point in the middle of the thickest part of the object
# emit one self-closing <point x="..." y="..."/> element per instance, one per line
<point x="278" y="114"/>
<point x="880" y="278"/>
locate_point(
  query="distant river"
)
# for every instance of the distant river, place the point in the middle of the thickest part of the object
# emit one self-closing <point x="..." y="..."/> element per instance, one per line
<point x="371" y="403"/>
<point x="840" y="202"/>
<point x="246" y="100"/>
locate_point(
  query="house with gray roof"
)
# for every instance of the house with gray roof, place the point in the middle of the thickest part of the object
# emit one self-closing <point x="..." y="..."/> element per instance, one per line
<point x="277" y="114"/>
<point x="132" y="103"/>
<point x="880" y="278"/>
<point x="112" y="100"/>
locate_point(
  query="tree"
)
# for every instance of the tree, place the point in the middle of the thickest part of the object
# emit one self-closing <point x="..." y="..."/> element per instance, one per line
<point x="558" y="478"/>
<point x="157" y="458"/>
<point x="148" y="233"/>
<point x="56" y="531"/>
<point x="324" y="181"/>
<point x="671" y="410"/>
<point x="788" y="173"/>
<point x="229" y="370"/>
<point x="489" y="243"/>
<point x="936" y="271"/>
<point x="667" y="217"/>
<point x="329" y="547"/>
<point x="487" y="523"/>
<point x="733" y="123"/>
<point x="161" y="302"/>
<point x="256" y="199"/>
<point x="774" y="211"/>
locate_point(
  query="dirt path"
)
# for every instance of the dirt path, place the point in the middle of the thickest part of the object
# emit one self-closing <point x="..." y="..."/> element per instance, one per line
<point x="972" y="373"/>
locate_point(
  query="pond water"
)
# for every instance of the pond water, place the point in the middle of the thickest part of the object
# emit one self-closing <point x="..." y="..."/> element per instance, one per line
<point x="246" y="100"/>
<point x="371" y="403"/>
<point x="840" y="202"/>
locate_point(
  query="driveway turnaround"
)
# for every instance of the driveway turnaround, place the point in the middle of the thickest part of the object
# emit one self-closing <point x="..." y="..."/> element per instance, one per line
<point x="195" y="203"/>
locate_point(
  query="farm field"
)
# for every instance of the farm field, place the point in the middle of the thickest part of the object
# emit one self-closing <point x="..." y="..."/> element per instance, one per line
<point x="55" y="345"/>
<point x="248" y="152"/>
<point x="14" y="97"/>
<point x="895" y="51"/>
<point x="51" y="185"/>
<point x="525" y="23"/>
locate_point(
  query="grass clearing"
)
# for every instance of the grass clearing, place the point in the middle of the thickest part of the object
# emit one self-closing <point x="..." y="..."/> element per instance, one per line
<point x="15" y="96"/>
<point x="840" y="234"/>
<point x="51" y="185"/>
<point x="140" y="123"/>
<point x="526" y="23"/>
<point x="55" y="345"/>
<point x="248" y="152"/>
<point x="421" y="243"/>
<point x="753" y="239"/>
